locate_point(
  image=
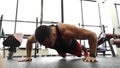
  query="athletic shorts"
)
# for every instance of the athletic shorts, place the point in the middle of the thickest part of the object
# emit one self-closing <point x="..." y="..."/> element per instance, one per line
<point x="77" y="51"/>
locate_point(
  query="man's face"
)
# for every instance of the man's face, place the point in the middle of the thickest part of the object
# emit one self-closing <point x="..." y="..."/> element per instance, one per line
<point x="49" y="42"/>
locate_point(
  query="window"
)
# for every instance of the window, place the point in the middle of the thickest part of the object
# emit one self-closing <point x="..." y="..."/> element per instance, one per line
<point x="52" y="10"/>
<point x="72" y="12"/>
<point x="8" y="9"/>
<point x="91" y="18"/>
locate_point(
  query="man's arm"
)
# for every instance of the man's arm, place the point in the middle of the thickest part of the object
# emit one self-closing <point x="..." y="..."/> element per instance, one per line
<point x="29" y="43"/>
<point x="92" y="41"/>
<point x="71" y="31"/>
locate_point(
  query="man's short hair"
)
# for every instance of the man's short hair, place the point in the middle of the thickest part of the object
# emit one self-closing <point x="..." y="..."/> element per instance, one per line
<point x="42" y="32"/>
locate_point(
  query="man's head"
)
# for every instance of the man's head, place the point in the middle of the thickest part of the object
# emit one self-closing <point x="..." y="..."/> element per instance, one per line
<point x="44" y="35"/>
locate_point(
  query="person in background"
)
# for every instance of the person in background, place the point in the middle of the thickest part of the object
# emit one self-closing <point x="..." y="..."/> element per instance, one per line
<point x="13" y="41"/>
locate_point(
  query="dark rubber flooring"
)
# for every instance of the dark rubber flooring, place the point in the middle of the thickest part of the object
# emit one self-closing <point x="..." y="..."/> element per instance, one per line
<point x="58" y="62"/>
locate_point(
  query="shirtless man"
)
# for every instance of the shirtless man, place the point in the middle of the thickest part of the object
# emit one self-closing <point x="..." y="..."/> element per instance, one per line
<point x="62" y="37"/>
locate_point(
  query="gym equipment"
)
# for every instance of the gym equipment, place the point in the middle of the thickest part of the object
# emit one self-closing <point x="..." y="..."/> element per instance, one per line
<point x="106" y="37"/>
<point x="116" y="40"/>
<point x="36" y="43"/>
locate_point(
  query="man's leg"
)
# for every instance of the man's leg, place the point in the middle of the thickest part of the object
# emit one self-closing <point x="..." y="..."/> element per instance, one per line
<point x="77" y="51"/>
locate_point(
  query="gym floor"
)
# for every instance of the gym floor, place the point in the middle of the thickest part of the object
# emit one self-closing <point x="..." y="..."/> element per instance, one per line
<point x="59" y="62"/>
